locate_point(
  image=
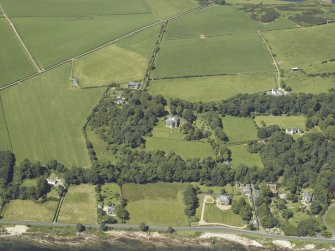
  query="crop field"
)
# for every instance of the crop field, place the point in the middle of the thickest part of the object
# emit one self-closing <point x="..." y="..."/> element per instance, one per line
<point x="240" y="155"/>
<point x="301" y="47"/>
<point x="5" y="143"/>
<point x="29" y="210"/>
<point x="156" y="204"/>
<point x="213" y="21"/>
<point x="282" y="121"/>
<point x="45" y="116"/>
<point x="239" y="129"/>
<point x="79" y="206"/>
<point x="231" y="54"/>
<point x="330" y="219"/>
<point x="215" y="215"/>
<point x="14" y="63"/>
<point x="167" y="140"/>
<point x="122" y="62"/>
<point x="212" y="88"/>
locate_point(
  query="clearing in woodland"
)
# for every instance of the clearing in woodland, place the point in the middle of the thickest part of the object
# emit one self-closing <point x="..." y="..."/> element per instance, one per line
<point x="239" y="129"/>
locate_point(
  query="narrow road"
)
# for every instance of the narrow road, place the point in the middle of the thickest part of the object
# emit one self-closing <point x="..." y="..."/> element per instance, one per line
<point x="21" y="41"/>
<point x="101" y="46"/>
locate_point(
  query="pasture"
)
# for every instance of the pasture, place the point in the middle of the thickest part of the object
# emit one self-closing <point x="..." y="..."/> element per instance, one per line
<point x="213" y="21"/>
<point x="117" y="63"/>
<point x="212" y="88"/>
<point x="14" y="63"/>
<point x="282" y="121"/>
<point x="5" y="143"/>
<point x="29" y="210"/>
<point x="302" y="47"/>
<point x="314" y="85"/>
<point x="156" y="204"/>
<point x="79" y="205"/>
<point x="239" y="129"/>
<point x="45" y="116"/>
<point x="215" y="215"/>
<point x="167" y="140"/>
<point x="240" y="155"/>
<point x="231" y="54"/>
<point x="329" y="219"/>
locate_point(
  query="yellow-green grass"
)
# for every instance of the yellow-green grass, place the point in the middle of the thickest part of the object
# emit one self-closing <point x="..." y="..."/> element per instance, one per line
<point x="156" y="204"/>
<point x="5" y="143"/>
<point x="100" y="146"/>
<point x="212" y="88"/>
<point x="29" y="210"/>
<point x="232" y="54"/>
<point x="321" y="67"/>
<point x="163" y="8"/>
<point x="64" y="8"/>
<point x="215" y="215"/>
<point x="240" y="155"/>
<point x="172" y="140"/>
<point x="239" y="129"/>
<point x="302" y="47"/>
<point x="79" y="205"/>
<point x="74" y="35"/>
<point x="282" y="121"/>
<point x="14" y="62"/>
<point x="45" y="117"/>
<point x="110" y="192"/>
<point x="279" y="23"/>
<point x="213" y="21"/>
<point x="314" y="85"/>
<point x="329" y="219"/>
<point x="29" y="182"/>
<point x="216" y="189"/>
<point x="117" y="63"/>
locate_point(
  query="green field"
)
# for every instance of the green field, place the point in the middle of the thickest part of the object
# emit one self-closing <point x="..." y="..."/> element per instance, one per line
<point x="156" y="204"/>
<point x="29" y="210"/>
<point x="173" y="140"/>
<point x="231" y="54"/>
<point x="79" y="206"/>
<point x="302" y="47"/>
<point x="239" y="129"/>
<point x="282" y="121"/>
<point x="279" y="23"/>
<point x="45" y="116"/>
<point x="315" y="85"/>
<point x="5" y="143"/>
<point x="14" y="63"/>
<point x="215" y="215"/>
<point x="330" y="219"/>
<point x="212" y="88"/>
<point x="213" y="21"/>
<point x="122" y="62"/>
<point x="241" y="155"/>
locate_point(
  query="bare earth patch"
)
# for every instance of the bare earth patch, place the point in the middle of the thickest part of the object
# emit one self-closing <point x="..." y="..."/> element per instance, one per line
<point x="17" y="230"/>
<point x="234" y="238"/>
<point x="283" y="244"/>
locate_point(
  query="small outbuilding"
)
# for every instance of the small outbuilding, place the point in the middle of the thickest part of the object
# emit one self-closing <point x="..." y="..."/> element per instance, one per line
<point x="75" y="82"/>
<point x="134" y="85"/>
<point x="172" y="122"/>
<point x="247" y="189"/>
<point x="295" y="69"/>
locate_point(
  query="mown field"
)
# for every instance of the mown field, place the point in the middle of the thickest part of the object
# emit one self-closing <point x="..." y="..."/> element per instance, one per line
<point x="240" y="155"/>
<point x="45" y="116"/>
<point x="212" y="88"/>
<point x="79" y="205"/>
<point x="231" y="54"/>
<point x="29" y="210"/>
<point x="282" y="121"/>
<point x="5" y="143"/>
<point x="173" y="140"/>
<point x="215" y="215"/>
<point x="156" y="204"/>
<point x="239" y="129"/>
<point x="125" y="61"/>
<point x="14" y="63"/>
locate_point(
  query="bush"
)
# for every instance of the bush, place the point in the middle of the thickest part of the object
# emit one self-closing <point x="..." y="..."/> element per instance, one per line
<point x="170" y="230"/>
<point x="143" y="227"/>
<point x="80" y="227"/>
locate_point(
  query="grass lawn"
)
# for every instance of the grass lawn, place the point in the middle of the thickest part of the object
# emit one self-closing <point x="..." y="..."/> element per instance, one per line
<point x="100" y="147"/>
<point x="29" y="210"/>
<point x="212" y="88"/>
<point x="79" y="206"/>
<point x="282" y="121"/>
<point x="241" y="155"/>
<point x="45" y="116"/>
<point x="215" y="215"/>
<point x="117" y="63"/>
<point x="239" y="129"/>
<point x="5" y="143"/>
<point x="231" y="54"/>
<point x="29" y="183"/>
<point x="213" y="21"/>
<point x="167" y="140"/>
<point x="75" y="34"/>
<point x="110" y="192"/>
<point x="330" y="219"/>
<point x="301" y="47"/>
<point x="14" y="62"/>
<point x="156" y="204"/>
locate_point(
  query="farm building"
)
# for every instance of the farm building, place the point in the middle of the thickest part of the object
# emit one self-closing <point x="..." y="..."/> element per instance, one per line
<point x="307" y="197"/>
<point x="172" y="122"/>
<point x="276" y="92"/>
<point x="75" y="82"/>
<point x="224" y="200"/>
<point x="134" y="85"/>
<point x="292" y="131"/>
